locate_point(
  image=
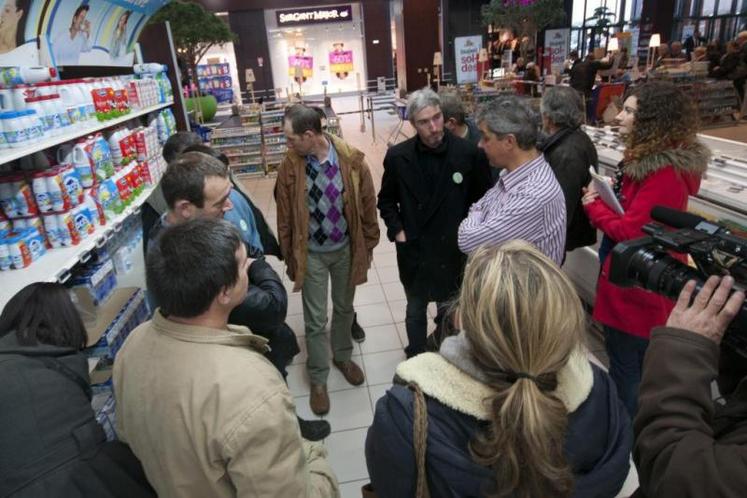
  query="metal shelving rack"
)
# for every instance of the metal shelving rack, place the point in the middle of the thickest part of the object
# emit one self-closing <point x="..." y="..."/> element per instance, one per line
<point x="273" y="138"/>
<point x="242" y="144"/>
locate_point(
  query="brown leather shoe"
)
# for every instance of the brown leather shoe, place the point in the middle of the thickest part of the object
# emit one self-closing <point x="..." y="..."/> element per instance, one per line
<point x="319" y="399"/>
<point x="350" y="371"/>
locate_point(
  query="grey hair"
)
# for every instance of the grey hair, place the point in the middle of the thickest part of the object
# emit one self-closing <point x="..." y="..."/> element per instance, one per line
<point x="563" y="106"/>
<point x="419" y="100"/>
<point x="511" y="116"/>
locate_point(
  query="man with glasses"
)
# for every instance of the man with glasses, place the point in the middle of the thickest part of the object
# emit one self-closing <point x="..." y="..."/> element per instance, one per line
<point x="429" y="183"/>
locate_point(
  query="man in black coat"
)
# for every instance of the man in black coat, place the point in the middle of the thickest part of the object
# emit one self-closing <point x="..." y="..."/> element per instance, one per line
<point x="429" y="183"/>
<point x="570" y="152"/>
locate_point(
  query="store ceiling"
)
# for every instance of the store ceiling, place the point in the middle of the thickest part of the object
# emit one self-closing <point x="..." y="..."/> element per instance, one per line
<point x="233" y="5"/>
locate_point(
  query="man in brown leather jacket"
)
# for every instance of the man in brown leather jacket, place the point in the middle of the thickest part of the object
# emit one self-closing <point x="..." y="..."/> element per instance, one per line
<point x="687" y="445"/>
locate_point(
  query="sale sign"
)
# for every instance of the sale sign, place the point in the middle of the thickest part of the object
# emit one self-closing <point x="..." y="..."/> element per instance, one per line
<point x="304" y="62"/>
<point x="467" y="50"/>
<point x="556" y="45"/>
<point x="341" y="61"/>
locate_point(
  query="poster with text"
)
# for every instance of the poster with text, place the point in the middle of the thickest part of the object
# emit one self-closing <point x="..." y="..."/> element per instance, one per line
<point x="341" y="62"/>
<point x="95" y="32"/>
<point x="556" y="44"/>
<point x="304" y="62"/>
<point x="467" y="50"/>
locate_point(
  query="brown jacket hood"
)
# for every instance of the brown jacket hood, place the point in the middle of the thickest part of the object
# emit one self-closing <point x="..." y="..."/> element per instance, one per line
<point x="691" y="159"/>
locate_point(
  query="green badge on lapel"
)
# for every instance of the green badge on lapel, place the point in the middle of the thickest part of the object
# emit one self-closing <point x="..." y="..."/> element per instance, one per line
<point x="457" y="177"/>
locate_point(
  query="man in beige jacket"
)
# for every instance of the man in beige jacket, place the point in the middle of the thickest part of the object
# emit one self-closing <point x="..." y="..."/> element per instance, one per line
<point x="327" y="229"/>
<point x="197" y="401"/>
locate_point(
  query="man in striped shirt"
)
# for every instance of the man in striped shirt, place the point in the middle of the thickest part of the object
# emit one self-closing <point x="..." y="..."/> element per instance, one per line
<point x="527" y="202"/>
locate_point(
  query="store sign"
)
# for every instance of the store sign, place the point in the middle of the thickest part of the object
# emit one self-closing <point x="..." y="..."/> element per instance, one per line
<point x="556" y="45"/>
<point x="467" y="51"/>
<point x="294" y="17"/>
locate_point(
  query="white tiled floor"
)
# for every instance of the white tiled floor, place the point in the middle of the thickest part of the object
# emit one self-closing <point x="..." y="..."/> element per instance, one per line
<point x="380" y="305"/>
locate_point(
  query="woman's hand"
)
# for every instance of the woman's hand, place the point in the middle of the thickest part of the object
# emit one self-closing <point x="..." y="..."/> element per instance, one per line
<point x="590" y="194"/>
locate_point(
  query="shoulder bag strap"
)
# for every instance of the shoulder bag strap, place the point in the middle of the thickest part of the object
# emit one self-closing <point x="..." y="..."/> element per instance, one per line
<point x="420" y="435"/>
<point x="61" y="368"/>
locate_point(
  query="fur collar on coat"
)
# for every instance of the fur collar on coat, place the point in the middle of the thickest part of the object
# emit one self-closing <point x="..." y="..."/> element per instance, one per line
<point x="452" y="378"/>
<point x="692" y="159"/>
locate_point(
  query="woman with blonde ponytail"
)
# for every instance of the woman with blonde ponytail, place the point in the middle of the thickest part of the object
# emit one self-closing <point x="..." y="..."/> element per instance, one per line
<point x="514" y="407"/>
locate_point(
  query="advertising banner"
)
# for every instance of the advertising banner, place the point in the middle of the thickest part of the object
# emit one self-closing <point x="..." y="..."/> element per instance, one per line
<point x="556" y="44"/>
<point x="341" y="61"/>
<point x="467" y="51"/>
<point x="303" y="62"/>
<point x="87" y="32"/>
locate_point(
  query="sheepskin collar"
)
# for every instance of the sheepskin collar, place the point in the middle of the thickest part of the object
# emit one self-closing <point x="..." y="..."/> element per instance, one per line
<point x="452" y="378"/>
<point x="691" y="159"/>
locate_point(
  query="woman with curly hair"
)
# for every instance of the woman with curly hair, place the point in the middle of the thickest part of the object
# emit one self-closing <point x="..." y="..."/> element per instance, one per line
<point x="509" y="407"/>
<point x="662" y="166"/>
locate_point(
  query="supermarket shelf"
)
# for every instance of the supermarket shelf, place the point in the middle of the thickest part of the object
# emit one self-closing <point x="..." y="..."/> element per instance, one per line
<point x="244" y="165"/>
<point x="13" y="154"/>
<point x="242" y="144"/>
<point x="56" y="263"/>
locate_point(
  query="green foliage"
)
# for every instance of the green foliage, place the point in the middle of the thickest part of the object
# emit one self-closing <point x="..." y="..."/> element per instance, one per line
<point x="523" y="18"/>
<point x="194" y="29"/>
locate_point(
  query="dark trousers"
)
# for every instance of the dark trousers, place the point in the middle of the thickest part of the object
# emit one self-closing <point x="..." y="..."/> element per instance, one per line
<point x="282" y="341"/>
<point x="416" y="322"/>
<point x="626" y="354"/>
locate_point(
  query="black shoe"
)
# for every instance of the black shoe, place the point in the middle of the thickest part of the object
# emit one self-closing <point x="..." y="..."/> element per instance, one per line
<point x="359" y="335"/>
<point x="313" y="430"/>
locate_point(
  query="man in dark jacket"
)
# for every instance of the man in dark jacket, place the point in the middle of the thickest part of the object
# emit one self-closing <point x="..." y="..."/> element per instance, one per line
<point x="455" y="118"/>
<point x="687" y="445"/>
<point x="584" y="74"/>
<point x="197" y="185"/>
<point x="429" y="183"/>
<point x="570" y="152"/>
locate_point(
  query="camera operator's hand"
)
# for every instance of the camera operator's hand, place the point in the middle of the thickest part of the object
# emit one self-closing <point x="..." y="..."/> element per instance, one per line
<point x="712" y="309"/>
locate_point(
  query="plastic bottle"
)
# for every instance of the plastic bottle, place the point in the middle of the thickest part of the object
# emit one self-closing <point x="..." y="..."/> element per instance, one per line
<point x="52" y="231"/>
<point x="69" y="236"/>
<point x="5" y="259"/>
<point x="57" y="194"/>
<point x="14" y="130"/>
<point x="82" y="164"/>
<point x="3" y="143"/>
<point x="23" y="197"/>
<point x="33" y="124"/>
<point x="83" y="221"/>
<point x="102" y="157"/>
<point x="19" y="253"/>
<point x="71" y="183"/>
<point x="94" y="206"/>
<point x="41" y="195"/>
<point x="35" y="103"/>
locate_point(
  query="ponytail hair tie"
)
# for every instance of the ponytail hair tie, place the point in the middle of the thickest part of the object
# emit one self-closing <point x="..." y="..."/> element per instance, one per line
<point x="546" y="382"/>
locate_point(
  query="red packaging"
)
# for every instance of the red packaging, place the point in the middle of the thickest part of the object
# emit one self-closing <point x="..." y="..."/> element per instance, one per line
<point x="132" y="95"/>
<point x="124" y="188"/>
<point x="103" y="102"/>
<point x="139" y="138"/>
<point x="120" y="101"/>
<point x="145" y="173"/>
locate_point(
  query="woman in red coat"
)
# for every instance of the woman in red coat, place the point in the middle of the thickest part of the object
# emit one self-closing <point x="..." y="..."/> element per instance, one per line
<point x="662" y="166"/>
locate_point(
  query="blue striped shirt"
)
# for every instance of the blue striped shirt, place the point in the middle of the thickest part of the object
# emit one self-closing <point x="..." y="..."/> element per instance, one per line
<point x="526" y="203"/>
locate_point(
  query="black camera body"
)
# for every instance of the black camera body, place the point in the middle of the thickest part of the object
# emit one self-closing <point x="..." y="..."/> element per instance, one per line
<point x="714" y="250"/>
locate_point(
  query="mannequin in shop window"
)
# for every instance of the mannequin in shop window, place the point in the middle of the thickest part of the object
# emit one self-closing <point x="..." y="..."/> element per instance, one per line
<point x="52" y="445"/>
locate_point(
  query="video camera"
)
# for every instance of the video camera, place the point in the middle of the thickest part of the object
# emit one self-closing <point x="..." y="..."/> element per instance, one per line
<point x="646" y="262"/>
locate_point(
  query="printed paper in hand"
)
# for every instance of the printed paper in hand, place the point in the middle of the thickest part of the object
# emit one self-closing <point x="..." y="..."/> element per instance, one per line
<point x="602" y="185"/>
